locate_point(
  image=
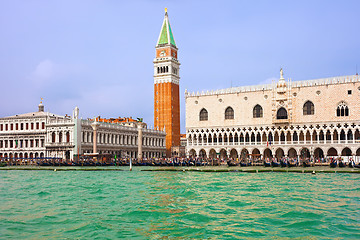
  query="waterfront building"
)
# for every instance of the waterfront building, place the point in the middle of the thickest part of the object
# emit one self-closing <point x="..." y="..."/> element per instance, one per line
<point x="166" y="87"/>
<point x="297" y="119"/>
<point x="42" y="134"/>
<point x="180" y="151"/>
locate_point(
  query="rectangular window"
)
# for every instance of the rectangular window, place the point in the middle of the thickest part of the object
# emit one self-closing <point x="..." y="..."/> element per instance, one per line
<point x="42" y="142"/>
<point x="32" y="126"/>
<point x="349" y="92"/>
<point x="37" y="142"/>
<point x="27" y="126"/>
<point x="6" y="143"/>
<point x="43" y="125"/>
<point x="11" y="127"/>
<point x="6" y="127"/>
<point x="37" y="125"/>
<point x="1" y="144"/>
<point x="17" y="126"/>
<point x="1" y="127"/>
<point x="21" y="126"/>
<point x="31" y="143"/>
<point x="26" y="143"/>
<point x="21" y="143"/>
<point x="11" y="143"/>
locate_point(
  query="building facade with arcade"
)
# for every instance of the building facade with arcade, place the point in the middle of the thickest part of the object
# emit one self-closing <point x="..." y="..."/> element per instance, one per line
<point x="45" y="135"/>
<point x="297" y="119"/>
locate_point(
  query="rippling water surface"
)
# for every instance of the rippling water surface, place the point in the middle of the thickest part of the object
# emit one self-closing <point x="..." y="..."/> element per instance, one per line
<point x="152" y="205"/>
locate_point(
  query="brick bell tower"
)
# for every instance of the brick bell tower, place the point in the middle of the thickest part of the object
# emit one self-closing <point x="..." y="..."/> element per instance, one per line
<point x="166" y="86"/>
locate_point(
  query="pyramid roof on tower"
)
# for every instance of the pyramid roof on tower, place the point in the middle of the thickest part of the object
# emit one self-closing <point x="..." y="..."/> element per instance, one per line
<point x="166" y="36"/>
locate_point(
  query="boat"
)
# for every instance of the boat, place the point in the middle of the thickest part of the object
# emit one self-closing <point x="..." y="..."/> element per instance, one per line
<point x="333" y="164"/>
<point x="283" y="163"/>
<point x="306" y="164"/>
<point x="243" y="164"/>
<point x="351" y="164"/>
<point x="232" y="163"/>
<point x="275" y="164"/>
<point x="291" y="164"/>
<point x="342" y="164"/>
<point x="267" y="164"/>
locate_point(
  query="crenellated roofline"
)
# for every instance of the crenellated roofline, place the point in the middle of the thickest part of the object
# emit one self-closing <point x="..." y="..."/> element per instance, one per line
<point x="269" y="87"/>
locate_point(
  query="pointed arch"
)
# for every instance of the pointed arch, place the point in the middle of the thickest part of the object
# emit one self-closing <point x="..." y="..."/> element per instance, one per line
<point x="203" y="116"/>
<point x="257" y="111"/>
<point x="308" y="108"/>
<point x="212" y="153"/>
<point x="233" y="153"/>
<point x="281" y="113"/>
<point x="342" y="109"/>
<point x="229" y="113"/>
<point x="318" y="153"/>
<point x="292" y="153"/>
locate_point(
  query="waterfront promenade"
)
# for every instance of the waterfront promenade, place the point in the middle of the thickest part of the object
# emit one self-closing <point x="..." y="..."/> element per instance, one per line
<point x="224" y="168"/>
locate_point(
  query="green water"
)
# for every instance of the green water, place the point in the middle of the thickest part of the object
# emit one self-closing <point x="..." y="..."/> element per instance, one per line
<point x="160" y="205"/>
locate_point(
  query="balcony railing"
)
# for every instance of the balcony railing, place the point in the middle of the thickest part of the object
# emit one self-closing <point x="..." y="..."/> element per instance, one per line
<point x="57" y="144"/>
<point x="278" y="143"/>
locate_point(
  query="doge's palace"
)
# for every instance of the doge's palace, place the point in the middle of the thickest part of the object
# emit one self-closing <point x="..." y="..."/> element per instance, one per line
<point x="301" y="119"/>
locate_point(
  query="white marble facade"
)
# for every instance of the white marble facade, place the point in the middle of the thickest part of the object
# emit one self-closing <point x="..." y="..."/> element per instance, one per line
<point x="42" y="134"/>
<point x="314" y="118"/>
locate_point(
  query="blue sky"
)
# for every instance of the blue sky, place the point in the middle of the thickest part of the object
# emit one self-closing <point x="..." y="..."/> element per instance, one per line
<point x="98" y="55"/>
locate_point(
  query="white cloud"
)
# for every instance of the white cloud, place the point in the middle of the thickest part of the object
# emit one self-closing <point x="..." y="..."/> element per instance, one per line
<point x="47" y="70"/>
<point x="44" y="70"/>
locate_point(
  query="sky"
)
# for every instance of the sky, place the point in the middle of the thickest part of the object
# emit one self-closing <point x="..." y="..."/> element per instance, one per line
<point x="98" y="55"/>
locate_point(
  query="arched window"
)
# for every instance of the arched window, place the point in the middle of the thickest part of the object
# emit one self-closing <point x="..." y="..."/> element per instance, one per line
<point x="60" y="137"/>
<point x="229" y="113"/>
<point x="257" y="111"/>
<point x="203" y="115"/>
<point x="342" y="109"/>
<point x="308" y="108"/>
<point x="67" y="137"/>
<point x="53" y="136"/>
<point x="158" y="70"/>
<point x="167" y="69"/>
<point x="281" y="113"/>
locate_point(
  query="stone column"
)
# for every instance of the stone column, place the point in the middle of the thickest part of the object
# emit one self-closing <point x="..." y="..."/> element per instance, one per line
<point x="140" y="128"/>
<point x="332" y="137"/>
<point x="95" y="125"/>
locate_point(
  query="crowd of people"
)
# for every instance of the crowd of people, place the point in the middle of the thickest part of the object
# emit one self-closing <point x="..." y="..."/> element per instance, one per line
<point x="190" y="161"/>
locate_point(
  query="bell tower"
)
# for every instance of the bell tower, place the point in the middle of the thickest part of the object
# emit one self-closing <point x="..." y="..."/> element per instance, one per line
<point x="166" y="86"/>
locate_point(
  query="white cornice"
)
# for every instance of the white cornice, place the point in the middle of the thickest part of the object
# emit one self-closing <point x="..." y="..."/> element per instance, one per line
<point x="166" y="80"/>
<point x="269" y="87"/>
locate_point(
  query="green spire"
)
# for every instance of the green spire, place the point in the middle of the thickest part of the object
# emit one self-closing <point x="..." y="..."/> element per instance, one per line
<point x="163" y="35"/>
<point x="166" y="35"/>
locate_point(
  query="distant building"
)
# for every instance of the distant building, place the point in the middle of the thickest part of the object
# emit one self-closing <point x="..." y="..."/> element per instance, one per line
<point x="166" y="87"/>
<point x="179" y="151"/>
<point x="306" y="119"/>
<point x="43" y="134"/>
